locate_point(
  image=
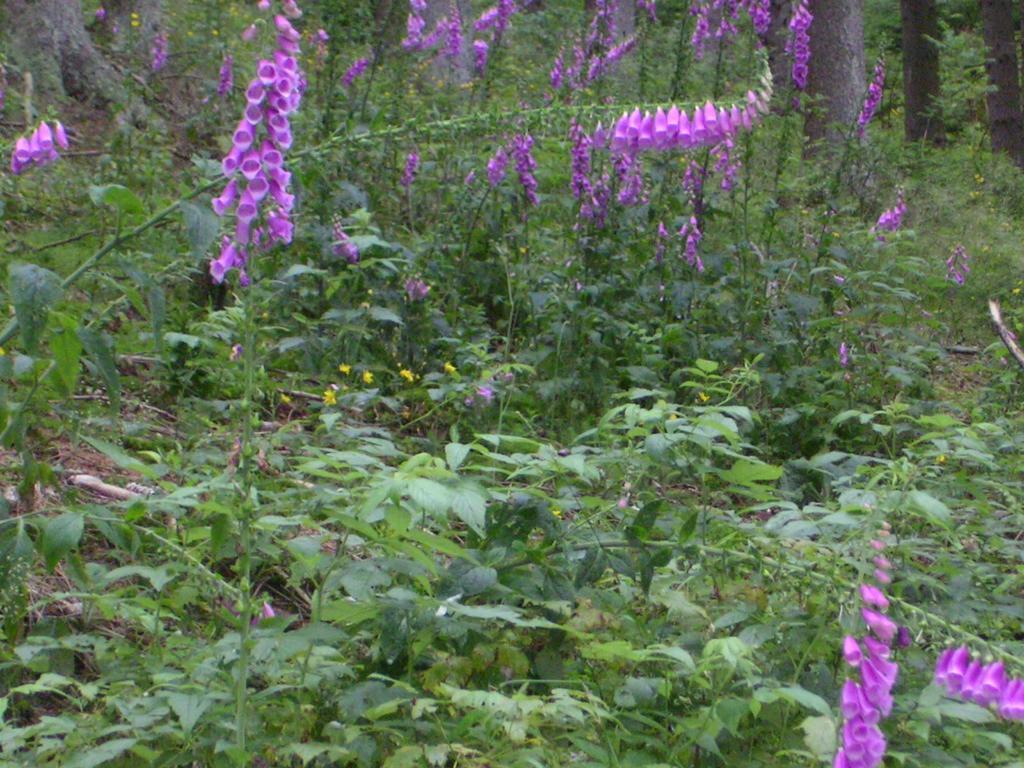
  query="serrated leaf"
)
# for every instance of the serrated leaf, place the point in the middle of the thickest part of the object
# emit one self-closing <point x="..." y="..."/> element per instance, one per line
<point x="188" y="707"/>
<point x="936" y="511"/>
<point x="60" y="536"/>
<point x="32" y="289"/>
<point x="455" y="454"/>
<point x="116" y="196"/>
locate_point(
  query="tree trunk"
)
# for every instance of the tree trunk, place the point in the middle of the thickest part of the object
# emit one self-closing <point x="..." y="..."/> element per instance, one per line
<point x="50" y="41"/>
<point x="922" y="119"/>
<point x="1004" y="108"/>
<point x="836" y="68"/>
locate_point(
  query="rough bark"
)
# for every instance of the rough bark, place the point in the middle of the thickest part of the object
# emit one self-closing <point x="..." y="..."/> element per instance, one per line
<point x="1004" y="109"/>
<point x="922" y="119"/>
<point x="48" y="38"/>
<point x="836" y="79"/>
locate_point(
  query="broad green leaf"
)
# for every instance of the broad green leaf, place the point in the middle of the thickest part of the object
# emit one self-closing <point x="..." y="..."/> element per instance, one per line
<point x="189" y="707"/>
<point x="820" y="735"/>
<point x="470" y="506"/>
<point x="455" y="454"/>
<point x="119" y="457"/>
<point x="201" y="227"/>
<point x="33" y="290"/>
<point x="100" y="349"/>
<point x="746" y="472"/>
<point x="60" y="536"/>
<point x="430" y="495"/>
<point x="932" y="508"/>
<point x="116" y="196"/>
<point x="104" y="753"/>
<point x="805" y="698"/>
<point x="385" y="315"/>
<point x="67" y="353"/>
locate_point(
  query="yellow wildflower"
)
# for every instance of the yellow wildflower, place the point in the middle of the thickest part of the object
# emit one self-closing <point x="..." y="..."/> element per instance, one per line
<point x="285" y="400"/>
<point x="449" y="368"/>
<point x="941" y="458"/>
<point x="408" y="375"/>
<point x="556" y="512"/>
<point x="704" y="397"/>
<point x="2" y="351"/>
<point x="330" y="397"/>
<point x="345" y="368"/>
<point x="367" y="377"/>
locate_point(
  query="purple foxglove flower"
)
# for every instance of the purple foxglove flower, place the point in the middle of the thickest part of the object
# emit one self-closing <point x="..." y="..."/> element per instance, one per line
<point x="873" y="99"/>
<point x="480" y="51"/>
<point x="557" y="71"/>
<point x="416" y="289"/>
<point x="355" y="71"/>
<point x="227" y="78"/>
<point x="851" y="651"/>
<point x="691" y="232"/>
<point x="454" y="40"/>
<point x="881" y="625"/>
<point x="971" y="683"/>
<point x="101" y="14"/>
<point x="891" y="219"/>
<point x="957" y="267"/>
<point x="1011" y="702"/>
<point x="343" y="245"/>
<point x="159" y="51"/>
<point x="485" y="393"/>
<point x="412" y="165"/>
<point x="496" y="167"/>
<point x="990" y="686"/>
<point x="798" y="46"/>
<point x="280" y="226"/>
<point x="873" y="595"/>
<point x="222" y="203"/>
<point x="60" y="135"/>
<point x="255" y="93"/>
<point x="259" y="186"/>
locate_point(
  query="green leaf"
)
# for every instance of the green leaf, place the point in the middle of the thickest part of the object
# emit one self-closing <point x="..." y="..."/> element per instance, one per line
<point x="201" y="227"/>
<point x="189" y="707"/>
<point x="116" y="196"/>
<point x="100" y="349"/>
<point x="805" y="698"/>
<point x="930" y="507"/>
<point x="67" y="353"/>
<point x="385" y="315"/>
<point x="104" y="753"/>
<point x="470" y="506"/>
<point x="119" y="457"/>
<point x="820" y="736"/>
<point x="746" y="472"/>
<point x="455" y="454"/>
<point x="32" y="289"/>
<point x="60" y="536"/>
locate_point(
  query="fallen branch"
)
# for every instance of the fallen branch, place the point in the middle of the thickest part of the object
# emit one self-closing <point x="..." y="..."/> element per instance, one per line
<point x="94" y="484"/>
<point x="1008" y="336"/>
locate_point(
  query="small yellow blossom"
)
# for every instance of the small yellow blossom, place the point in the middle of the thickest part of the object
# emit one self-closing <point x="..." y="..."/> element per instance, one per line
<point x="367" y="377"/>
<point x="215" y="32"/>
<point x="408" y="375"/>
<point x="941" y="458"/>
<point x="449" y="368"/>
<point x="1015" y="292"/>
<point x="2" y="351"/>
<point x="345" y="368"/>
<point x="556" y="512"/>
<point x="704" y="397"/>
<point x="330" y="397"/>
<point x="285" y="400"/>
